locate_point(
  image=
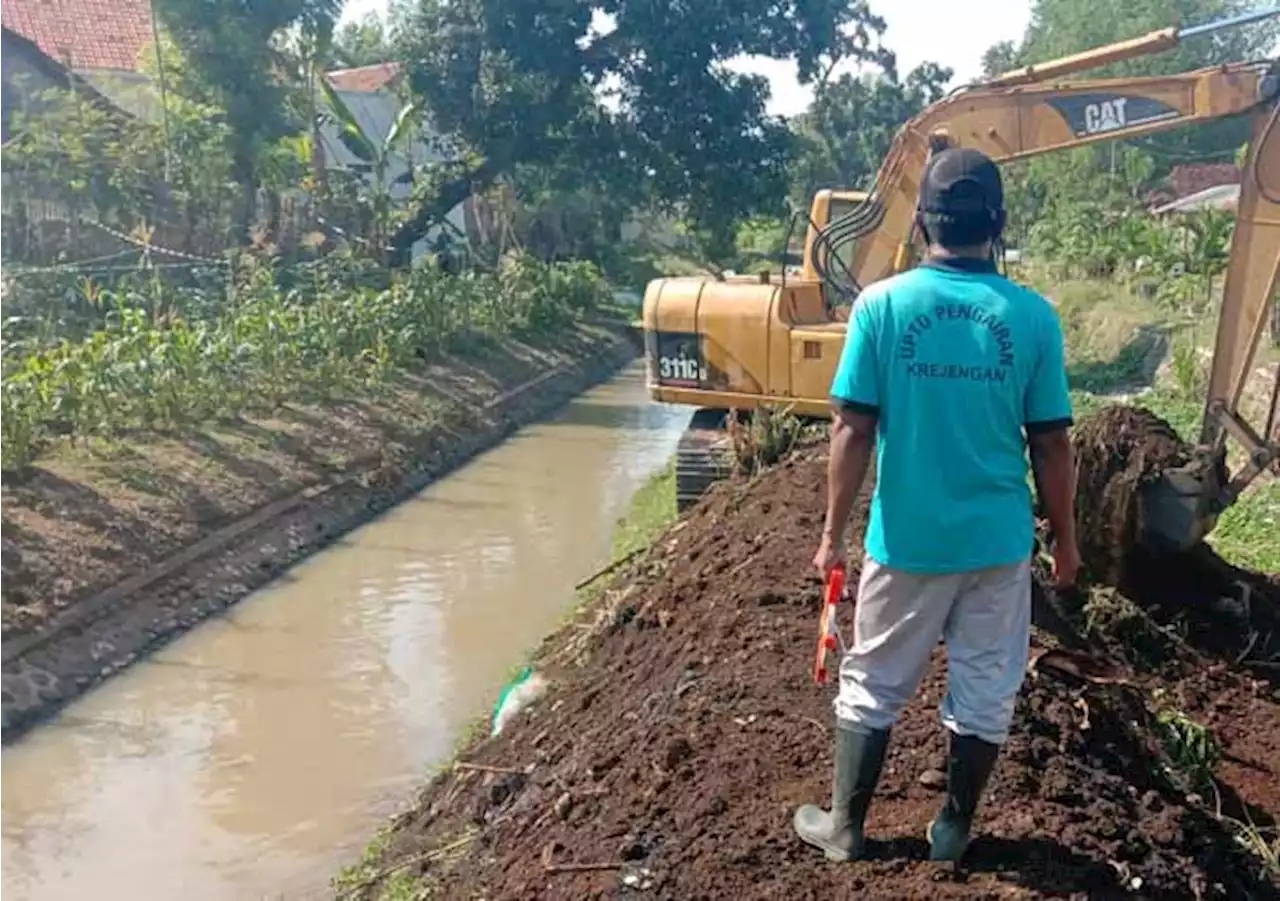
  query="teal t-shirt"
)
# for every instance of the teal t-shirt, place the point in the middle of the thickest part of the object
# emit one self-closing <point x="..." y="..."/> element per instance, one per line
<point x="958" y="363"/>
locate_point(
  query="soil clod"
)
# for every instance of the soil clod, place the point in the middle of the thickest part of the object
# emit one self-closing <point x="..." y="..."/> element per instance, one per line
<point x="1119" y="450"/>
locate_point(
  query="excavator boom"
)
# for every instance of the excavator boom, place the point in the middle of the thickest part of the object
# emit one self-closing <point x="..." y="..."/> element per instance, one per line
<point x="1014" y="123"/>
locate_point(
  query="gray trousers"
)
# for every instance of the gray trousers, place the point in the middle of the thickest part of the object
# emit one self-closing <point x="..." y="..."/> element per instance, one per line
<point x="985" y="617"/>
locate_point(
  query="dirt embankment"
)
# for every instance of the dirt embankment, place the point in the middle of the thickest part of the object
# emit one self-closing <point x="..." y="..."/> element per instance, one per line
<point x="669" y="762"/>
<point x="109" y="550"/>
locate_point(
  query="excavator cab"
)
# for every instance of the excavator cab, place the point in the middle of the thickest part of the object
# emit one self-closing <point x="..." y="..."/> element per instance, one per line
<point x="745" y="341"/>
<point x="742" y="342"/>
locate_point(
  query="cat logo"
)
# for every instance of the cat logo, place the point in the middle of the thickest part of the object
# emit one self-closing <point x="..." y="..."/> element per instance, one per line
<point x="1107" y="115"/>
<point x="1093" y="114"/>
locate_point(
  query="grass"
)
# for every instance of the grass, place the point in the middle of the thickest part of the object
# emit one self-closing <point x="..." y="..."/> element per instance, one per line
<point x="1246" y="531"/>
<point x="653" y="509"/>
<point x="1109" y="332"/>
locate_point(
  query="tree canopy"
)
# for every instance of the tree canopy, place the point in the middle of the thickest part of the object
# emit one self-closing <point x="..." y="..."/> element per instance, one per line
<point x="363" y="43"/>
<point x="844" y="136"/>
<point x="231" y="50"/>
<point x="634" y="97"/>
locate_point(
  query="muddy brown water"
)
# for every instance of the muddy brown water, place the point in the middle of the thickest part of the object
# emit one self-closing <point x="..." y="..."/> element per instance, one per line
<point x="255" y="756"/>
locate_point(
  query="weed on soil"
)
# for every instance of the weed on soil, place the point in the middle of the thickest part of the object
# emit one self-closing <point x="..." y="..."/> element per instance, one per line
<point x="668" y="762"/>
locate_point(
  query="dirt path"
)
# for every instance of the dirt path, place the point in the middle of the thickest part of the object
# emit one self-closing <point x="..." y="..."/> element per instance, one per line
<point x="668" y="764"/>
<point x="109" y="551"/>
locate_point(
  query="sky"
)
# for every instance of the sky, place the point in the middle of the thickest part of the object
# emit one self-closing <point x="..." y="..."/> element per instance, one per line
<point x="947" y="32"/>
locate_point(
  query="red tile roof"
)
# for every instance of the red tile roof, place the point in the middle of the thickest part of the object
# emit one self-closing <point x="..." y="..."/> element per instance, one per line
<point x="365" y="79"/>
<point x="83" y="34"/>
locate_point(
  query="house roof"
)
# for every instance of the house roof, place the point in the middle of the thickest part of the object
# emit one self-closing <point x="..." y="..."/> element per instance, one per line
<point x="14" y="43"/>
<point x="1191" y="178"/>
<point x="1219" y="197"/>
<point x="1186" y="179"/>
<point x="50" y="68"/>
<point x="364" y="79"/>
<point x="83" y="34"/>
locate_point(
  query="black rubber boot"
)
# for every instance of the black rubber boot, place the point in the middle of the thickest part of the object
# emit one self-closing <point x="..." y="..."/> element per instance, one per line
<point x="969" y="768"/>
<point x="859" y="756"/>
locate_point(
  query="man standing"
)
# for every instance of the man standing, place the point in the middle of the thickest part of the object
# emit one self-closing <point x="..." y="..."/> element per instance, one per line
<point x="949" y="371"/>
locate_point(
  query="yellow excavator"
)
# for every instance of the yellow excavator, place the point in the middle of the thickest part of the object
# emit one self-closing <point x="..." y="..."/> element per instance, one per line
<point x="740" y="343"/>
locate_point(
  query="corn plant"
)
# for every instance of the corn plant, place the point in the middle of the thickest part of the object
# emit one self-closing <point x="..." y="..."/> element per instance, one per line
<point x="163" y="358"/>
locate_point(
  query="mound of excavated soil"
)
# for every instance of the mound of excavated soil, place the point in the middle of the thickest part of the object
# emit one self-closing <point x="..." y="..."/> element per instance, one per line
<point x="1119" y="449"/>
<point x="669" y="764"/>
<point x="1219" y="608"/>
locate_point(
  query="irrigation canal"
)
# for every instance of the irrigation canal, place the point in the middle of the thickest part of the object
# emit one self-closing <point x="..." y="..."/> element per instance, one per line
<point x="255" y="756"/>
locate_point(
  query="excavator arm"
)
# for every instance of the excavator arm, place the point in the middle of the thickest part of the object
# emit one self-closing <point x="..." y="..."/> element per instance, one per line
<point x="1182" y="506"/>
<point x="743" y="343"/>
<point x="1018" y="121"/>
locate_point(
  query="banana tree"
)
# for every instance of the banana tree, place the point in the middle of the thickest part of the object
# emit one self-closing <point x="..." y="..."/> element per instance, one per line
<point x="373" y="153"/>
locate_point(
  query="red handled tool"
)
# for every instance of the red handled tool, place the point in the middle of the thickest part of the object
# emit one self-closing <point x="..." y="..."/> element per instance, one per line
<point x="828" y="629"/>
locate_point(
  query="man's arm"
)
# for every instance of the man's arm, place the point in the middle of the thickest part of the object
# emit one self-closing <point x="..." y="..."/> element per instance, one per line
<point x="855" y="392"/>
<point x="1053" y="462"/>
<point x="1047" y="419"/>
<point x="853" y="436"/>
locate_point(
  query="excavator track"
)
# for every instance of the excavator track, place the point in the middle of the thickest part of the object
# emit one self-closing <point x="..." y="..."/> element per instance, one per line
<point x="703" y="457"/>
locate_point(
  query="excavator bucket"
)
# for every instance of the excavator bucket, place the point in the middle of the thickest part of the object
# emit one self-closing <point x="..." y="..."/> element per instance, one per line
<point x="1180" y="507"/>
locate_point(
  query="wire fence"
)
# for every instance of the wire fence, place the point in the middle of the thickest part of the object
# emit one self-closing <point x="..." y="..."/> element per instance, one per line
<point x="44" y="235"/>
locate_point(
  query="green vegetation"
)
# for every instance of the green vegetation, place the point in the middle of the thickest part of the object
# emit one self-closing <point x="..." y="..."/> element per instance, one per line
<point x="164" y="359"/>
<point x="652" y="510"/>
<point x="1246" y="532"/>
<point x="761" y="439"/>
<point x="1262" y="843"/>
<point x="522" y="90"/>
<point x="841" y="140"/>
<point x="1192" y="750"/>
<point x="1111" y="337"/>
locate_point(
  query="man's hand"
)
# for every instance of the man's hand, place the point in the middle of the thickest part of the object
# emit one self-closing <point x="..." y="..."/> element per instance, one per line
<point x="1066" y="563"/>
<point x="830" y="555"/>
<point x="853" y="437"/>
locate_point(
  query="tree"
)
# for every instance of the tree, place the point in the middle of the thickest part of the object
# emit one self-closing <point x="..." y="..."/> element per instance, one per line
<point x="232" y="52"/>
<point x="999" y="58"/>
<point x="642" y="104"/>
<point x="363" y="43"/>
<point x="844" y="136"/>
